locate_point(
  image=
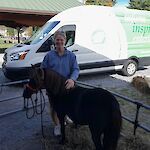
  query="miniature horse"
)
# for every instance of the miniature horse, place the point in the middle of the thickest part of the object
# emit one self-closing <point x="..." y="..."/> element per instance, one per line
<point x="96" y="107"/>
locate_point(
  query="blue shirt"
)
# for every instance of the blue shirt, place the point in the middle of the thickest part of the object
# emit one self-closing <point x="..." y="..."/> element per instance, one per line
<point x="66" y="65"/>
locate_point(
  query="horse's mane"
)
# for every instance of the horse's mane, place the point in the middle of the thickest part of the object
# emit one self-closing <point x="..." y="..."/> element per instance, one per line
<point x="54" y="82"/>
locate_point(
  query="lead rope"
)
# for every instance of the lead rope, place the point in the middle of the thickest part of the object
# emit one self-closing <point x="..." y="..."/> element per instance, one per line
<point x="34" y="106"/>
<point x="42" y="110"/>
<point x="28" y="115"/>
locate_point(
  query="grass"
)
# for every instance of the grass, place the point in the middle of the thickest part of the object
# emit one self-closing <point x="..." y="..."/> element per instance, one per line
<point x="2" y="40"/>
<point x="5" y="46"/>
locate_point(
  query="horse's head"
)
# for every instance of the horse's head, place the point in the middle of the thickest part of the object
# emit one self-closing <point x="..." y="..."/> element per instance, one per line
<point x="35" y="83"/>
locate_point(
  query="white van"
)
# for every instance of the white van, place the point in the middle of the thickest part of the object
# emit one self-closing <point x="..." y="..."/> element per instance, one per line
<point x="103" y="38"/>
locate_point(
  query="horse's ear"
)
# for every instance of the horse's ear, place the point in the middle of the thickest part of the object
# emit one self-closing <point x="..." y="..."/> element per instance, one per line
<point x="32" y="71"/>
<point x="33" y="66"/>
<point x="41" y="72"/>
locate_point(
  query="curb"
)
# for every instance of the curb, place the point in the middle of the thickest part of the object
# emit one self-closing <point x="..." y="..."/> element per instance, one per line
<point x="1" y="59"/>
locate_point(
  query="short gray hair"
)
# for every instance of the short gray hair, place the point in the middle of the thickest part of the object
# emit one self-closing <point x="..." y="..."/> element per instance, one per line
<point x="59" y="33"/>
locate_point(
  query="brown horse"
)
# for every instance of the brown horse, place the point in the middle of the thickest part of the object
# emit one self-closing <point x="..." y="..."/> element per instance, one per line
<point x="97" y="107"/>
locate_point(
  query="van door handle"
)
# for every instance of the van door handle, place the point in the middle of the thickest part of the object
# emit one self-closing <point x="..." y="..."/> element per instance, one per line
<point x="75" y="50"/>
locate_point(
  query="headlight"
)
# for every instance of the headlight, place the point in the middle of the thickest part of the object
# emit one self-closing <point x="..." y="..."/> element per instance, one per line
<point x="18" y="55"/>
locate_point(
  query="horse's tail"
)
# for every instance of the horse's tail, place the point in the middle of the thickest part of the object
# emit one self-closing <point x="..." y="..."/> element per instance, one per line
<point x="112" y="134"/>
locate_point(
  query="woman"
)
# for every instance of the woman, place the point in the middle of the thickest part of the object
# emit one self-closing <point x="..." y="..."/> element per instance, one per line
<point x="64" y="62"/>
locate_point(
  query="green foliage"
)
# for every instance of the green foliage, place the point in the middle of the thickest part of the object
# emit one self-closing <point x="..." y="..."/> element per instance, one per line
<point x="10" y="32"/>
<point x="29" y="31"/>
<point x="139" y="4"/>
<point x="101" y="2"/>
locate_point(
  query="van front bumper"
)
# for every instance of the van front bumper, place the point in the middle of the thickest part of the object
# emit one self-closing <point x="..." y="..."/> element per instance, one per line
<point x="16" y="73"/>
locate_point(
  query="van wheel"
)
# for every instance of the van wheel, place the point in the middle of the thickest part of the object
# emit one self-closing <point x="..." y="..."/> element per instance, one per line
<point x="129" y="68"/>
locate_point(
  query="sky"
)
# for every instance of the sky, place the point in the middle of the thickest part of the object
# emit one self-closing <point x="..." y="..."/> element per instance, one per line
<point x="122" y="2"/>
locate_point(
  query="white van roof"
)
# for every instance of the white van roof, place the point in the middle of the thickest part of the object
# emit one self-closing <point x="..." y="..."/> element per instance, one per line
<point x="86" y="12"/>
<point x="92" y="12"/>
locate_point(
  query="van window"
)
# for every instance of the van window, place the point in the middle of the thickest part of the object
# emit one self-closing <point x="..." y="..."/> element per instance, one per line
<point x="70" y="38"/>
<point x="47" y="45"/>
<point x="41" y="33"/>
<point x="70" y="34"/>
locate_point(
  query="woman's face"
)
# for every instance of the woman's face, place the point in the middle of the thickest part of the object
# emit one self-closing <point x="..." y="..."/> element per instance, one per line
<point x="60" y="42"/>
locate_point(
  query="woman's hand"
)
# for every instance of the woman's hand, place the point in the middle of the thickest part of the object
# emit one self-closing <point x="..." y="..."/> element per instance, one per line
<point x="69" y="84"/>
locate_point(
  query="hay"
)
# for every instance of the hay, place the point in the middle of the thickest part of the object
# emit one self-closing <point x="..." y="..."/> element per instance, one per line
<point x="80" y="139"/>
<point x="77" y="139"/>
<point x="141" y="84"/>
<point x="132" y="143"/>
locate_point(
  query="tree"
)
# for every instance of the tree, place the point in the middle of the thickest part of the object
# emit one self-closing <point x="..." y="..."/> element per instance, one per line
<point x="139" y="4"/>
<point x="101" y="2"/>
<point x="29" y="31"/>
<point x="10" y="32"/>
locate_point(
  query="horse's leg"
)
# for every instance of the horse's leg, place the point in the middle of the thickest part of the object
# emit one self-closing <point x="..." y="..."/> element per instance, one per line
<point x="52" y="111"/>
<point x="111" y="136"/>
<point x="107" y="141"/>
<point x="62" y="124"/>
<point x="112" y="133"/>
<point x="96" y="136"/>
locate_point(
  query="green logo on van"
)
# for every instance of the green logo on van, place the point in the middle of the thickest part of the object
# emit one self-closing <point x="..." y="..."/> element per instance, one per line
<point x="141" y="29"/>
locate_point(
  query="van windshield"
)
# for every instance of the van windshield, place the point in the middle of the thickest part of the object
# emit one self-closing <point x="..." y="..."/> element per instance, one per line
<point x="41" y="33"/>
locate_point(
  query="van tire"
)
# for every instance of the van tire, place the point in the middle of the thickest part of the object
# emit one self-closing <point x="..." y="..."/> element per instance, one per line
<point x="129" y="68"/>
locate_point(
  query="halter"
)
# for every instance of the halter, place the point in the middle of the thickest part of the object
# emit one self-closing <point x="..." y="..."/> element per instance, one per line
<point x="38" y="80"/>
<point x="32" y="89"/>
